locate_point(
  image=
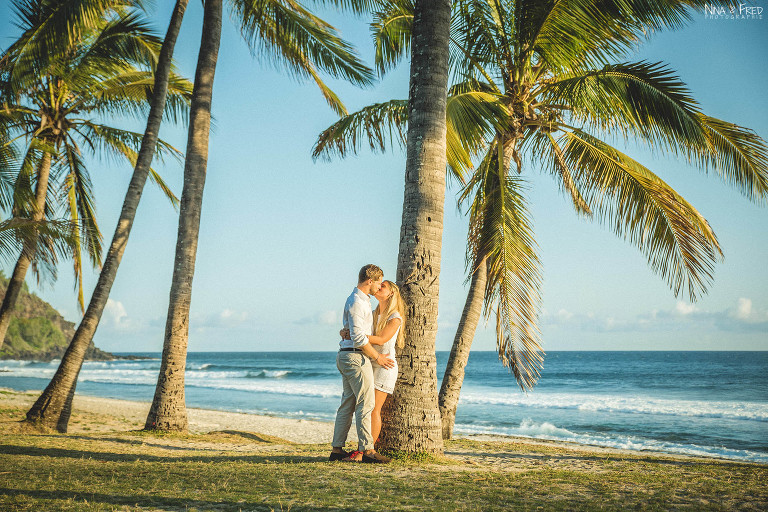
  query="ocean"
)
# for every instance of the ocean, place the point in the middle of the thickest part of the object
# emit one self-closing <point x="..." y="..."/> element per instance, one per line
<point x="695" y="403"/>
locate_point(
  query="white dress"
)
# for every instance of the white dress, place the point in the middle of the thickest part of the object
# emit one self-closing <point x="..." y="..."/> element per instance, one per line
<point x="384" y="378"/>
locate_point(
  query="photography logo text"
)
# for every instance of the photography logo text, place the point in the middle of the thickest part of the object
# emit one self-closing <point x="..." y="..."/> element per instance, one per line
<point x="733" y="12"/>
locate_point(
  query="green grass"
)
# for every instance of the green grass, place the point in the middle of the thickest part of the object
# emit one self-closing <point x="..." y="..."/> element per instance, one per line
<point x="134" y="470"/>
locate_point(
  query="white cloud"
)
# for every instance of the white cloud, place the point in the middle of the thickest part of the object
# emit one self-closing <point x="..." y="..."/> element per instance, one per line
<point x="743" y="317"/>
<point x="744" y="309"/>
<point x="684" y="309"/>
<point x="115" y="315"/>
<point x="225" y="318"/>
<point x="328" y="317"/>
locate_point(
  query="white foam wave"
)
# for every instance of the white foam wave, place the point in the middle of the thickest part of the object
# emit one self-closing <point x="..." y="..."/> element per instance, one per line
<point x="227" y="380"/>
<point x="548" y="431"/>
<point x="741" y="410"/>
<point x="307" y="389"/>
<point x="270" y="374"/>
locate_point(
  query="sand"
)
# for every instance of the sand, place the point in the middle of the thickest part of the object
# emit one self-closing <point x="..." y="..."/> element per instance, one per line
<point x="96" y="414"/>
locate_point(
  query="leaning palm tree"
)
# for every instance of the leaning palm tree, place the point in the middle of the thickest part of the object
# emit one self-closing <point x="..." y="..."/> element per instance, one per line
<point x="305" y="45"/>
<point x="54" y="405"/>
<point x="550" y="67"/>
<point x="58" y="102"/>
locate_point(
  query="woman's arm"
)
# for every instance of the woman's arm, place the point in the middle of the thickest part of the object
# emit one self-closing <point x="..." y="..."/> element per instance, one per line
<point x="386" y="333"/>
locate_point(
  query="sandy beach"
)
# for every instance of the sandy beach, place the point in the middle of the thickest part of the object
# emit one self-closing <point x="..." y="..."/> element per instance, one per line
<point x="96" y="414"/>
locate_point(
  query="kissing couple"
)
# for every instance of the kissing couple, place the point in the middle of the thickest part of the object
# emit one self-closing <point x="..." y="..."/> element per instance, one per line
<point x="366" y="363"/>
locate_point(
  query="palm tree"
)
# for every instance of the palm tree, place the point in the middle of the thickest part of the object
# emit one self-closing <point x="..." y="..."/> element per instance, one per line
<point x="549" y="66"/>
<point x="412" y="419"/>
<point x="54" y="405"/>
<point x="56" y="102"/>
<point x="294" y="37"/>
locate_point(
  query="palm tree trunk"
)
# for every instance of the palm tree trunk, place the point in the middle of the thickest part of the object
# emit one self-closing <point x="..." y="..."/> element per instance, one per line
<point x="453" y="378"/>
<point x="16" y="282"/>
<point x="55" y="404"/>
<point x="168" y="411"/>
<point x="412" y="419"/>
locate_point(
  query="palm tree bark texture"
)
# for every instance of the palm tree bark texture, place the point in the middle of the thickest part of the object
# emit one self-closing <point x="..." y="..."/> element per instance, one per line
<point x="412" y="419"/>
<point x="168" y="410"/>
<point x="16" y="282"/>
<point x="54" y="405"/>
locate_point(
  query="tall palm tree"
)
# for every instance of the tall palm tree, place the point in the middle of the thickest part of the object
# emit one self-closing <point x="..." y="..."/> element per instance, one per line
<point x="413" y="407"/>
<point x="292" y="36"/>
<point x="54" y="405"/>
<point x="549" y="66"/>
<point x="57" y="102"/>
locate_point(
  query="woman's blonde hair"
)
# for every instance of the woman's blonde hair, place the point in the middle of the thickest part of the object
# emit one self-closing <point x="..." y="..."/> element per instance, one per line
<point x="396" y="303"/>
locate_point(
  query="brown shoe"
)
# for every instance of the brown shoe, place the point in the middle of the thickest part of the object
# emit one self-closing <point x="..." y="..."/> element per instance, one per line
<point x="376" y="458"/>
<point x="336" y="456"/>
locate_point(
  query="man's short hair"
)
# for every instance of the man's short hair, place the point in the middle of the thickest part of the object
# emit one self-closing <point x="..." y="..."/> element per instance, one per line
<point x="370" y="271"/>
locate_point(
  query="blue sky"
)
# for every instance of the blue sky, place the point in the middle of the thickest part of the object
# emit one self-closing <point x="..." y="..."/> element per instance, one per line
<point x="282" y="237"/>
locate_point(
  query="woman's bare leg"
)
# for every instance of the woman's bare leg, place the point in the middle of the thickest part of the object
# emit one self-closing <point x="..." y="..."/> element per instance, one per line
<point x="376" y="414"/>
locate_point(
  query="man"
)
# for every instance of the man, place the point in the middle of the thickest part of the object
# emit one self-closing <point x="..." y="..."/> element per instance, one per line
<point x="356" y="371"/>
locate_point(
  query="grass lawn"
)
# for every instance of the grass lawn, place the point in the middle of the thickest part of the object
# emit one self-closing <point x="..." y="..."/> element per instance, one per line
<point x="231" y="470"/>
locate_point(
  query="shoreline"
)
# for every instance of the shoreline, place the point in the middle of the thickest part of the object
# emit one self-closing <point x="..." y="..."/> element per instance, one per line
<point x="115" y="414"/>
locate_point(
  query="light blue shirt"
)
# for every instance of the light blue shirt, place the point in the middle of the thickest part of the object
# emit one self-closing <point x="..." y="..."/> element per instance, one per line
<point x="358" y="318"/>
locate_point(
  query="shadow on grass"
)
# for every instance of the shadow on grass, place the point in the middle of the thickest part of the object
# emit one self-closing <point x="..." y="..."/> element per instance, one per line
<point x="158" y="501"/>
<point x="33" y="451"/>
<point x="652" y="459"/>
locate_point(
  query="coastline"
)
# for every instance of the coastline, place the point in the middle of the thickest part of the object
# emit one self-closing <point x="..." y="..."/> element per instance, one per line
<point x="113" y="414"/>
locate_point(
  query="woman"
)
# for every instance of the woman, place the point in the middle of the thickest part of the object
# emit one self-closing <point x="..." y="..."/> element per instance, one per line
<point x="388" y="319"/>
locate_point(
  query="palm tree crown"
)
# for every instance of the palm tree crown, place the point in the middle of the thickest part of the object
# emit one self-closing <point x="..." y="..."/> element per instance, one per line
<point x="58" y="102"/>
<point x="541" y="83"/>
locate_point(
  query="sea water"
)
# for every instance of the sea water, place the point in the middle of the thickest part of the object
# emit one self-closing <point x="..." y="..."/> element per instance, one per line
<point x="696" y="403"/>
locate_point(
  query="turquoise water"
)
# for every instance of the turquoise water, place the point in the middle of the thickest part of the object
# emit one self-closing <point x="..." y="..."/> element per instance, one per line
<point x="699" y="403"/>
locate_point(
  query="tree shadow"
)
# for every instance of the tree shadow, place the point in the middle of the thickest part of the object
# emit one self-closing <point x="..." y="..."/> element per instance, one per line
<point x="33" y="451"/>
<point x="505" y="455"/>
<point x="163" y="501"/>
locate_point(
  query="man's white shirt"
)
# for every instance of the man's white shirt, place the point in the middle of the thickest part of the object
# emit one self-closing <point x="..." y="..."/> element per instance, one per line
<point x="358" y="318"/>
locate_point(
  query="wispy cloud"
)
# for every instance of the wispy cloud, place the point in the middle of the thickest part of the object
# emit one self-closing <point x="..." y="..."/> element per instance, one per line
<point x="328" y="317"/>
<point x="226" y="318"/>
<point x="741" y="317"/>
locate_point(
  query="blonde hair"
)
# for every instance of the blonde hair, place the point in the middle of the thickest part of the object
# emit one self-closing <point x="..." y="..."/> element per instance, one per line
<point x="396" y="303"/>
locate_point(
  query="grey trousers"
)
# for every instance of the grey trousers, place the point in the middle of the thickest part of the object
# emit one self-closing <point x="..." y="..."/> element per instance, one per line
<point x="358" y="398"/>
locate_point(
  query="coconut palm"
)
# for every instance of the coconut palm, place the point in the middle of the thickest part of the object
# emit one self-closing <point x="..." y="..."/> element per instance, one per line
<point x="551" y="67"/>
<point x="59" y="103"/>
<point x="54" y="405"/>
<point x="55" y="238"/>
<point x="287" y="33"/>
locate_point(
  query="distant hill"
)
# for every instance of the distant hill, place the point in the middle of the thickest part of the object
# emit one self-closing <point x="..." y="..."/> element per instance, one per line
<point x="39" y="332"/>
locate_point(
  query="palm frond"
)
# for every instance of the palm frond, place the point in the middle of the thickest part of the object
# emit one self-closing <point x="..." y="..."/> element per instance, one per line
<point x="737" y="154"/>
<point x="554" y="154"/>
<point x="296" y="40"/>
<point x="473" y="118"/>
<point x="47" y="28"/>
<point x="640" y="99"/>
<point x="637" y="205"/>
<point x="79" y="193"/>
<point x="380" y="124"/>
<point x="52" y="239"/>
<point x="501" y="236"/>
<point x="391" y="30"/>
